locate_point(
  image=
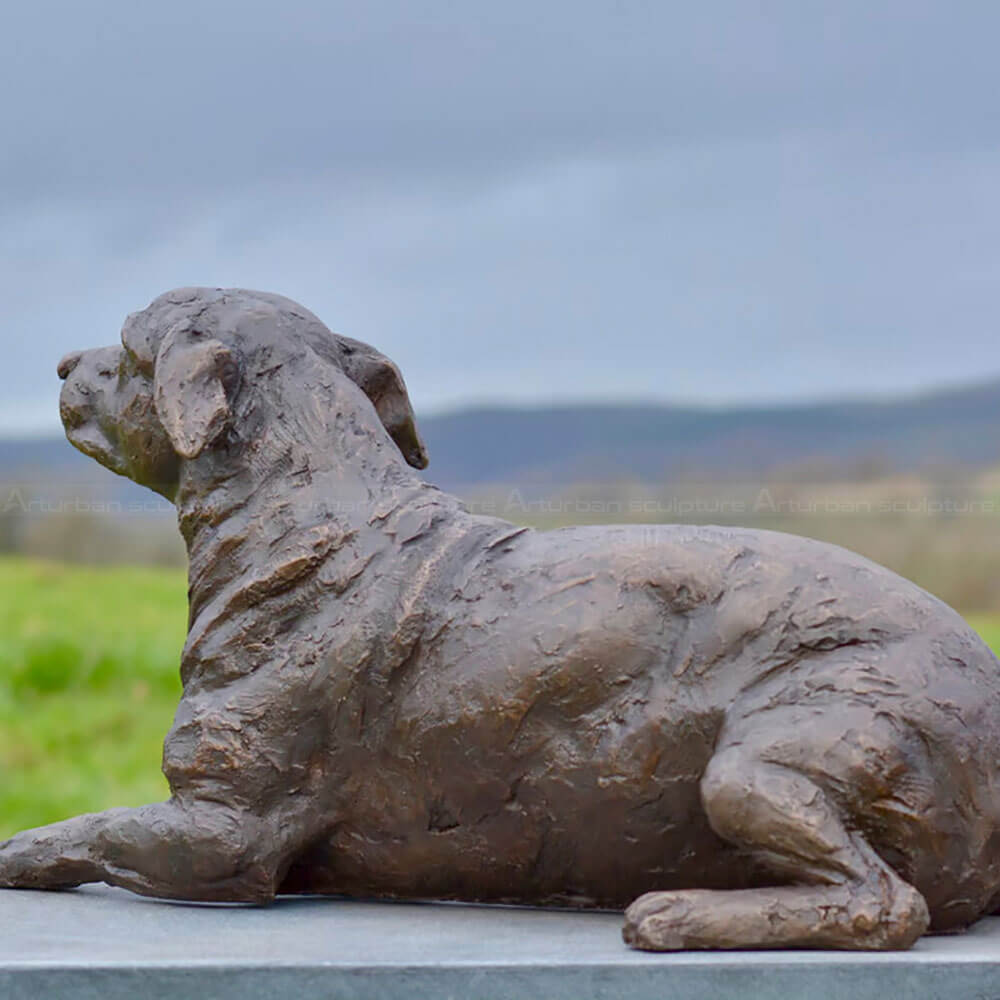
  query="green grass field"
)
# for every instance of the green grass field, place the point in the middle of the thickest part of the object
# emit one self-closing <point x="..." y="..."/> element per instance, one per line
<point x="88" y="686"/>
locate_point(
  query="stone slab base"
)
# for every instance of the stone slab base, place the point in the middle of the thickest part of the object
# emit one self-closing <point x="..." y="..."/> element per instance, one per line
<point x="98" y="942"/>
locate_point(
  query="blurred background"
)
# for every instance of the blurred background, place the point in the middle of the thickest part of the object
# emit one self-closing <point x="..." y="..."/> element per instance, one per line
<point x="650" y="261"/>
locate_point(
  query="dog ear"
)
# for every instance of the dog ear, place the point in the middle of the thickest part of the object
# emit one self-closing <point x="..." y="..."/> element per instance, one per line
<point x="189" y="389"/>
<point x="382" y="382"/>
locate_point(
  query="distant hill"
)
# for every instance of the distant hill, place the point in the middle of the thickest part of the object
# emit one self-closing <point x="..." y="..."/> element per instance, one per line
<point x="557" y="445"/>
<point x="565" y="444"/>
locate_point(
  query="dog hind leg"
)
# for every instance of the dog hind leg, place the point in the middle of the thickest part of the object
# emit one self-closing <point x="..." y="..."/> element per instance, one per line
<point x="851" y="899"/>
<point x="196" y="851"/>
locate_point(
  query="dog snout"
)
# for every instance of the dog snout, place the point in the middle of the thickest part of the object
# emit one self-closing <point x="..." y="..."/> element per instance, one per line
<point x="68" y="363"/>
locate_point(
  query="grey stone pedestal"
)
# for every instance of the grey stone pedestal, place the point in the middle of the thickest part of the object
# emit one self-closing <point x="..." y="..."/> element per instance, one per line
<point x="103" y="943"/>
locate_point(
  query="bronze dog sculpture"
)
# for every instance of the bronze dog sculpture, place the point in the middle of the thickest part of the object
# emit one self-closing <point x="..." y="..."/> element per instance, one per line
<point x="769" y="741"/>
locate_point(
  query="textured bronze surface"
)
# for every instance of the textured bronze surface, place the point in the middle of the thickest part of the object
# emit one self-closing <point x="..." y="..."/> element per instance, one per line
<point x="770" y="741"/>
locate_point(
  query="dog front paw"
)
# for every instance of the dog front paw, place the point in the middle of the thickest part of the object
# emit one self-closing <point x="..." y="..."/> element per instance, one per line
<point x="32" y="862"/>
<point x="15" y="869"/>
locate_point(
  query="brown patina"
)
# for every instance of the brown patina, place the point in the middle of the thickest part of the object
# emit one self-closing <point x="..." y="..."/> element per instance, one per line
<point x="755" y="739"/>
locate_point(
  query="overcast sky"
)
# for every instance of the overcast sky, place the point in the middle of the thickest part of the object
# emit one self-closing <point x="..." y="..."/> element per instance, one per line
<point x="516" y="201"/>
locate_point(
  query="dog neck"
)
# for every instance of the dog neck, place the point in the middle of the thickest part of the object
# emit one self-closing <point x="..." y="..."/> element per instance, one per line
<point x="302" y="492"/>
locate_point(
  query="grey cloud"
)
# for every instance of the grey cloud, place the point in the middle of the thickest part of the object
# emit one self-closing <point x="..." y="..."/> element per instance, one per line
<point x="516" y="201"/>
<point x="127" y="96"/>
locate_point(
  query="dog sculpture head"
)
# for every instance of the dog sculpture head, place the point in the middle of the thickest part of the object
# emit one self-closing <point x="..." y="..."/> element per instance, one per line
<point x="187" y="366"/>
